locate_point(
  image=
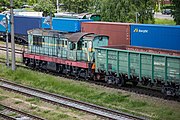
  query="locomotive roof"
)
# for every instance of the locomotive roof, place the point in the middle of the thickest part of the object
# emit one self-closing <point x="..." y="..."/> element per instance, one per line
<point x="77" y="36"/>
<point x="46" y="32"/>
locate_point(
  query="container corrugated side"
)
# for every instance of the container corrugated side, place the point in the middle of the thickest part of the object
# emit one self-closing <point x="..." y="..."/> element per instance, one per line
<point x="2" y="28"/>
<point x="65" y="24"/>
<point x="119" y="33"/>
<point x="22" y="24"/>
<point x="155" y="36"/>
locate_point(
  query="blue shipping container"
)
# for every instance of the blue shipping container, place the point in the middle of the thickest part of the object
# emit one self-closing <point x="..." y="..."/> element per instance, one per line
<point x="2" y="28"/>
<point x="65" y="24"/>
<point x="23" y="23"/>
<point x="155" y="36"/>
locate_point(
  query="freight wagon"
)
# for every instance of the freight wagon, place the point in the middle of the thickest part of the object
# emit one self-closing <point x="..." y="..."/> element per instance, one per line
<point x="149" y="67"/>
<point x="155" y="36"/>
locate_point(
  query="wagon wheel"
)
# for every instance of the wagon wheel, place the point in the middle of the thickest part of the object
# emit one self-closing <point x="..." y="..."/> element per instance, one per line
<point x="121" y="82"/>
<point x="134" y="83"/>
<point x="164" y="91"/>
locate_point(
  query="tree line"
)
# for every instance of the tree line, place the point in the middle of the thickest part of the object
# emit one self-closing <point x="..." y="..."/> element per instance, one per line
<point x="110" y="10"/>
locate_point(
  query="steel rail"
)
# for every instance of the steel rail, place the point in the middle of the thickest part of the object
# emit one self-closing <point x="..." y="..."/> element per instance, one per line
<point x="6" y="117"/>
<point x="17" y="51"/>
<point x="23" y="114"/>
<point x="68" y="102"/>
<point x="9" y="48"/>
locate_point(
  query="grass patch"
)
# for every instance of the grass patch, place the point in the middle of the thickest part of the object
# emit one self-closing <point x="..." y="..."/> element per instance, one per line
<point x="62" y="116"/>
<point x="33" y="100"/>
<point x="1" y="108"/>
<point x="17" y="46"/>
<point x="88" y="93"/>
<point x="3" y="58"/>
<point x="164" y="21"/>
<point x="17" y="102"/>
<point x="33" y="107"/>
<point x="46" y="111"/>
<point x="12" y="114"/>
<point x="3" y="98"/>
<point x="50" y="115"/>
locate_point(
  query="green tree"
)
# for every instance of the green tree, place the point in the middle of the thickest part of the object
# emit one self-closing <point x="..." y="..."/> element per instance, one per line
<point x="145" y="9"/>
<point x="6" y="3"/>
<point x="118" y="11"/>
<point x="78" y="6"/>
<point x="176" y="13"/>
<point x="45" y="6"/>
<point x="94" y="6"/>
<point x="31" y="2"/>
<point x="3" y="5"/>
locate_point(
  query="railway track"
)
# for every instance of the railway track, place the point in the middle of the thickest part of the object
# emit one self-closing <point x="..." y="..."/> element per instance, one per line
<point x="128" y="87"/>
<point x="10" y="113"/>
<point x="17" y="51"/>
<point x="68" y="102"/>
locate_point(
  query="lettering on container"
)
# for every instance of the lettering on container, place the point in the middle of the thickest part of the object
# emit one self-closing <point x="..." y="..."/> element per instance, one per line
<point x="140" y="31"/>
<point x="159" y="63"/>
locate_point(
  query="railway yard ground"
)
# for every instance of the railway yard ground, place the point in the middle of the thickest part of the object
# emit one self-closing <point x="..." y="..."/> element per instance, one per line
<point x="39" y="108"/>
<point x="141" y="105"/>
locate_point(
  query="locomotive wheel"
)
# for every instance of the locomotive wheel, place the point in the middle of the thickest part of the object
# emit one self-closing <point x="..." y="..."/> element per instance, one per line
<point x="26" y="61"/>
<point x="77" y="76"/>
<point x="98" y="77"/>
<point x="94" y="77"/>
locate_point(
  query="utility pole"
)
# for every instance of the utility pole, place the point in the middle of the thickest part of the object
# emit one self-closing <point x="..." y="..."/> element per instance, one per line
<point x="137" y="15"/>
<point x="12" y="36"/>
<point x="7" y="41"/>
<point x="50" y="22"/>
<point x="57" y="4"/>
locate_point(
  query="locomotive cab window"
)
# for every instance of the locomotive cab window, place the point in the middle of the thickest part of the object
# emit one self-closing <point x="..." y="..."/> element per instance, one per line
<point x="100" y="38"/>
<point x="72" y="46"/>
<point x="37" y="40"/>
<point x="62" y="43"/>
<point x="85" y="45"/>
<point x="79" y="45"/>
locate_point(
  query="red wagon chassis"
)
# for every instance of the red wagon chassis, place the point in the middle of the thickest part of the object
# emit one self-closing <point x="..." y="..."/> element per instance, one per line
<point x="56" y="60"/>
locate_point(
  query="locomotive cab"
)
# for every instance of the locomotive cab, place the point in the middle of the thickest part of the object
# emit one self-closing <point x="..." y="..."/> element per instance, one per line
<point x="81" y="46"/>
